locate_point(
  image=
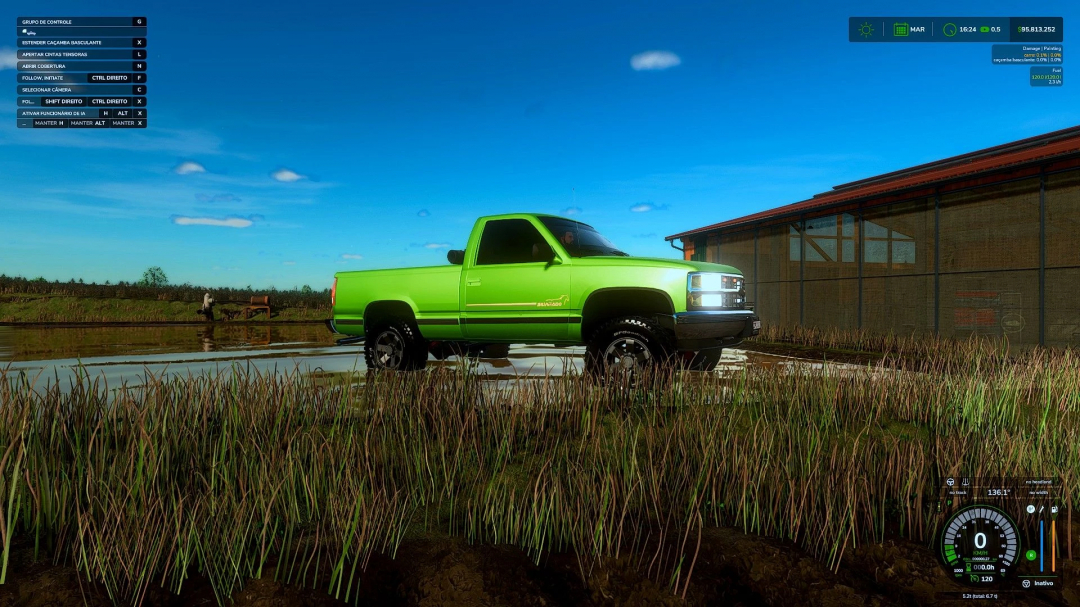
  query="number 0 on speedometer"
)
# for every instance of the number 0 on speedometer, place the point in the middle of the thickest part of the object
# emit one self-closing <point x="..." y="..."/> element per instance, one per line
<point x="979" y="545"/>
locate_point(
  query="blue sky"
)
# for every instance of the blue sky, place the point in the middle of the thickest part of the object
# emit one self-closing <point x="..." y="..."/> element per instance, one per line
<point x="293" y="140"/>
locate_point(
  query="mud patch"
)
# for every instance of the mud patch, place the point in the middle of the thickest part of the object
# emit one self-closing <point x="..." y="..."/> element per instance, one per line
<point x="731" y="568"/>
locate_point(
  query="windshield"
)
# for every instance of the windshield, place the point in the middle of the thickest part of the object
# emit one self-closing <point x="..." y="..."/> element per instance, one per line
<point x="580" y="240"/>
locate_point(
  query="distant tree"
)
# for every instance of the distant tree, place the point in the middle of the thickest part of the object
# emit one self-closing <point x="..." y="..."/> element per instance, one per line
<point x="154" y="277"/>
<point x="39" y="279"/>
<point x="106" y="283"/>
<point x="306" y="289"/>
<point x="81" y="281"/>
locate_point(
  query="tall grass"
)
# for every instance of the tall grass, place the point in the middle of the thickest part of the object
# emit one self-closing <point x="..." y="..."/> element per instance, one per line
<point x="225" y="475"/>
<point x="916" y="350"/>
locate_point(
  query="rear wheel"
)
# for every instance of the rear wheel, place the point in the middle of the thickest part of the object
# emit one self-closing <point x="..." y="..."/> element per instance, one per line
<point x="395" y="345"/>
<point x="627" y="347"/>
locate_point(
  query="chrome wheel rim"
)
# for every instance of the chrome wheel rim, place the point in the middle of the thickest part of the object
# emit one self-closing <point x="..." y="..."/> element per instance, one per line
<point x="626" y="355"/>
<point x="389" y="350"/>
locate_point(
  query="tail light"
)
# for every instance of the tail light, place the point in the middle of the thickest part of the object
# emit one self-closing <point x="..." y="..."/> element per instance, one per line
<point x="333" y="293"/>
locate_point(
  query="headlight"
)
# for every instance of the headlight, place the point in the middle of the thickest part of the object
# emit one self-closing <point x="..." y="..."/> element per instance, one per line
<point x="707" y="282"/>
<point x="712" y="282"/>
<point x="710" y="300"/>
<point x="714" y="290"/>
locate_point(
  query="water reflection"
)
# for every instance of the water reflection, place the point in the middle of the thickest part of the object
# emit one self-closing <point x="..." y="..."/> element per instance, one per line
<point x="126" y="354"/>
<point x="7" y="347"/>
<point x="208" y="339"/>
<point x="49" y="343"/>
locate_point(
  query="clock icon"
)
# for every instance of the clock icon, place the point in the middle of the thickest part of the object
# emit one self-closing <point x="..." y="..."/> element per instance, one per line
<point x="949" y="29"/>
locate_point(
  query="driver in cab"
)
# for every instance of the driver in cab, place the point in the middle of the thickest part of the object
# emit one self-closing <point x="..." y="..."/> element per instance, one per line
<point x="541" y="251"/>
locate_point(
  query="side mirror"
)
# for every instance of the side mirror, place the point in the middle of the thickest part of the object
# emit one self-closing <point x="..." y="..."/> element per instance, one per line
<point x="455" y="256"/>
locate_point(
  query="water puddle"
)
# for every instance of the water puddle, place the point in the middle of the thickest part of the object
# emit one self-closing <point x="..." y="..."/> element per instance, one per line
<point x="126" y="355"/>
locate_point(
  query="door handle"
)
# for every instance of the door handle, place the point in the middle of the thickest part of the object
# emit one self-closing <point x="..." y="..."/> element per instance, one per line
<point x="472" y="283"/>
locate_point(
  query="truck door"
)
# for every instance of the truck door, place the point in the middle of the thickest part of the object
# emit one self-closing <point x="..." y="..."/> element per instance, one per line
<point x="512" y="290"/>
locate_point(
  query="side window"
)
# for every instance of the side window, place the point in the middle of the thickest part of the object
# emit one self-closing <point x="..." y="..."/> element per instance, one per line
<point x="510" y="241"/>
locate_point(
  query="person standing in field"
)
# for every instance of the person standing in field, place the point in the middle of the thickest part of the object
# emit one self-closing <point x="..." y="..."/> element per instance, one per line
<point x="207" y="309"/>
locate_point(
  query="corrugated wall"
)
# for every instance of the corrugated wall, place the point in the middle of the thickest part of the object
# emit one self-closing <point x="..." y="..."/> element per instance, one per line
<point x="1000" y="259"/>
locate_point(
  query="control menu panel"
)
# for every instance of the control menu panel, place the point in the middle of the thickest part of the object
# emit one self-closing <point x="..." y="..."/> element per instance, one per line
<point x="81" y="72"/>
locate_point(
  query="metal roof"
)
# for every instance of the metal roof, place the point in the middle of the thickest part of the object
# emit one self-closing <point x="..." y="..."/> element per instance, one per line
<point x="1024" y="151"/>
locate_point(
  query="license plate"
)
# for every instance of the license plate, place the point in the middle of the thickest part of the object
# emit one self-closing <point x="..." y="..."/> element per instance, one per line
<point x="757" y="325"/>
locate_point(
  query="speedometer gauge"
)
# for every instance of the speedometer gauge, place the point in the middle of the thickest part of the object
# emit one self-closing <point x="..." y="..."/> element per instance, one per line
<point x="979" y="545"/>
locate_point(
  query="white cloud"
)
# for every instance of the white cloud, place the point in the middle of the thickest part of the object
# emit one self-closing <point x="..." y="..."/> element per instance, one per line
<point x="571" y="211"/>
<point x="351" y="256"/>
<point x="189" y="167"/>
<point x="289" y="263"/>
<point x="423" y="213"/>
<point x="437" y="245"/>
<point x="8" y="59"/>
<point x="287" y="175"/>
<point x="228" y="222"/>
<point x="645" y="207"/>
<point x="654" y="60"/>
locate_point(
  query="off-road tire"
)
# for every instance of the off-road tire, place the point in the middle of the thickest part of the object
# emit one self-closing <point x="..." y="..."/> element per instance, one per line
<point x="636" y="337"/>
<point x="395" y="345"/>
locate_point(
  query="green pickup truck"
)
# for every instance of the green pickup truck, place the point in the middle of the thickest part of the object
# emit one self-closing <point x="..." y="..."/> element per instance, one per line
<point x="542" y="279"/>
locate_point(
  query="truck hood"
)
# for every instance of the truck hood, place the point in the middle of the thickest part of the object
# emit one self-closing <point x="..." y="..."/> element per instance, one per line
<point x="655" y="262"/>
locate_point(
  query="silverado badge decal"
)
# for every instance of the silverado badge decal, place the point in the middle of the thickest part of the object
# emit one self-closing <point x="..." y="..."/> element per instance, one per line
<point x="558" y="302"/>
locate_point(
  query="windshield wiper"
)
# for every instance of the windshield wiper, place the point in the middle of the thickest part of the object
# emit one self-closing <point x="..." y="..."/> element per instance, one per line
<point x="619" y="253"/>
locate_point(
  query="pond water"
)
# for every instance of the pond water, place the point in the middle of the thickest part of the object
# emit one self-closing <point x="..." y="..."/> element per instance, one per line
<point x="127" y="354"/>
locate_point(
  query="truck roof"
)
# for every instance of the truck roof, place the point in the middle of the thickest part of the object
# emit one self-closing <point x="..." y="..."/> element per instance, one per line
<point x="521" y="215"/>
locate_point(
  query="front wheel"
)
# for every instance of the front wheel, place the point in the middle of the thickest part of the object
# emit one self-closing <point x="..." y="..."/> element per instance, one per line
<point x="395" y="345"/>
<point x="627" y="347"/>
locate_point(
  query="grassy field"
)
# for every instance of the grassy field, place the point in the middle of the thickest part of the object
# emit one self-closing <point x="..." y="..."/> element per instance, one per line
<point x="142" y="487"/>
<point x="919" y="352"/>
<point x="34" y="308"/>
<point x="41" y="301"/>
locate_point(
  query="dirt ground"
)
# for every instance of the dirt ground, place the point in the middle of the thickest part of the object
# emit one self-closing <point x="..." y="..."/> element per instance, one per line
<point x="732" y="568"/>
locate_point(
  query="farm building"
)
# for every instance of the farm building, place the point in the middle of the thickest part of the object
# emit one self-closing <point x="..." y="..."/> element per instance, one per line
<point x="983" y="243"/>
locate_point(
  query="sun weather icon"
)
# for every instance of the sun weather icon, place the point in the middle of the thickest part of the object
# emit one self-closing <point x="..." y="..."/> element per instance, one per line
<point x="866" y="30"/>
